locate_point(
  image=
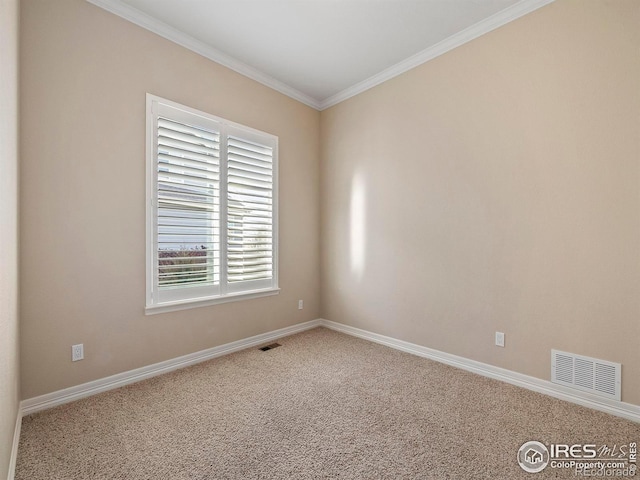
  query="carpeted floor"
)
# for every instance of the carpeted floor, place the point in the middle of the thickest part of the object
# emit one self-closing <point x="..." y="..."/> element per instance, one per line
<point x="322" y="405"/>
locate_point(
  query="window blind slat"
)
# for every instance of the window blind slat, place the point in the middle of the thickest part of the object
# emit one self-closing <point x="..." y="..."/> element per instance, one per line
<point x="170" y="267"/>
<point x="175" y="154"/>
<point x="173" y="218"/>
<point x="250" y="191"/>
<point x="170" y="195"/>
<point x="169" y="162"/>
<point x="185" y="173"/>
<point x="249" y="161"/>
<point x="249" y="232"/>
<point x="191" y="137"/>
<point x="194" y="146"/>
<point x="253" y="227"/>
<point x="263" y="173"/>
<point x="177" y="126"/>
<point x="242" y="182"/>
<point x="251" y="147"/>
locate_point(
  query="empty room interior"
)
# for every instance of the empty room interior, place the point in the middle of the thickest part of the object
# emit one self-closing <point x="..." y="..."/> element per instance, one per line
<point x="352" y="239"/>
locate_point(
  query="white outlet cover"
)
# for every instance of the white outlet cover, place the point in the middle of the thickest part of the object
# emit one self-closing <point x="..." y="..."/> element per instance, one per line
<point x="500" y="339"/>
<point x="77" y="352"/>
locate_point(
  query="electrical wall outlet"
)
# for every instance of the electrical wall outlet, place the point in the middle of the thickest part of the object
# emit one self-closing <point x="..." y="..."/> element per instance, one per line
<point x="500" y="339"/>
<point x="300" y="304"/>
<point x="77" y="352"/>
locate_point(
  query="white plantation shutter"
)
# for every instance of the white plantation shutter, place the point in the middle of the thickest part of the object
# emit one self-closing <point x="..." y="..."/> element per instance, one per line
<point x="188" y="207"/>
<point x="212" y="210"/>
<point x="250" y="211"/>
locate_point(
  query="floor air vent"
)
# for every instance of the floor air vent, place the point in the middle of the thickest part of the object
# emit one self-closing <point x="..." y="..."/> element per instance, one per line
<point x="269" y="347"/>
<point x="587" y="374"/>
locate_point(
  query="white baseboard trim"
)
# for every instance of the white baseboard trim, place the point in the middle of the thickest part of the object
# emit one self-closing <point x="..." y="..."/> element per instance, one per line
<point x="14" y="447"/>
<point x="613" y="407"/>
<point x="53" y="399"/>
<point x="94" y="387"/>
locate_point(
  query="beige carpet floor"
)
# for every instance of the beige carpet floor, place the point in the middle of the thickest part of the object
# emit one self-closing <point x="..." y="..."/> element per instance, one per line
<point x="322" y="405"/>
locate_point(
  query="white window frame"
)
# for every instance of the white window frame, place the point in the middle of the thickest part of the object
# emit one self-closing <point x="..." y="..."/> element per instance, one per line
<point x="224" y="292"/>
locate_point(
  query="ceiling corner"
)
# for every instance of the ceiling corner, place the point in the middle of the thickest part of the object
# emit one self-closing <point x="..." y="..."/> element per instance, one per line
<point x="147" y="22"/>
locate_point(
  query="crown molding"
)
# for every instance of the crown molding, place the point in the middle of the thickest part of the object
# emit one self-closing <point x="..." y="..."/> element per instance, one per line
<point x="143" y="20"/>
<point x="470" y="33"/>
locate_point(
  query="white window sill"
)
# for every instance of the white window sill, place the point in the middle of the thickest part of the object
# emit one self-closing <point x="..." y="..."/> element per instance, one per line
<point x="204" y="302"/>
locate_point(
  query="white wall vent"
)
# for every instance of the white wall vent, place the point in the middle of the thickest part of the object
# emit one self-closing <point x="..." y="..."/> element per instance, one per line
<point x="587" y="374"/>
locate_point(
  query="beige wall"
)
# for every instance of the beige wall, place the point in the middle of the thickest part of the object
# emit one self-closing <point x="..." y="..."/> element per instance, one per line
<point x="496" y="188"/>
<point x="493" y="188"/>
<point x="9" y="366"/>
<point x="85" y="73"/>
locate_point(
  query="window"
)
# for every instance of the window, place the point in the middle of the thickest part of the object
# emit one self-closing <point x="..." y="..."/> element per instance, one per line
<point x="211" y="209"/>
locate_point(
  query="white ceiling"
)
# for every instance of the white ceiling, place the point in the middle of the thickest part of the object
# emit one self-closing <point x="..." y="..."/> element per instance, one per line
<point x="320" y="51"/>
